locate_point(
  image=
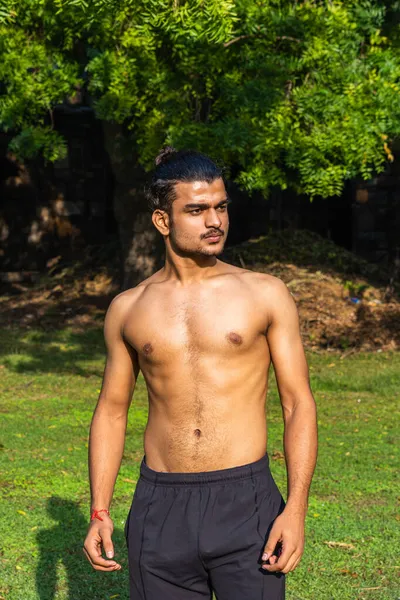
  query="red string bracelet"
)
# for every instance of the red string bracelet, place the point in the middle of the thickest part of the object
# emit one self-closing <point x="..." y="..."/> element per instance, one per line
<point x="95" y="514"/>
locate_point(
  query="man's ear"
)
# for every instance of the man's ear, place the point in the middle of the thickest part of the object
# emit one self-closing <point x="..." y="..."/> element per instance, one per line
<point x="161" y="221"/>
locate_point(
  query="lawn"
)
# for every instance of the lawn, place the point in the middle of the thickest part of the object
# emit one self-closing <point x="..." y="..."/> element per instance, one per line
<point x="49" y="384"/>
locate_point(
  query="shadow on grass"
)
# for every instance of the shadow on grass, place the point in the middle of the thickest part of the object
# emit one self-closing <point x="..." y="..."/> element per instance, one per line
<point x="62" y="545"/>
<point x="62" y="351"/>
<point x="36" y="308"/>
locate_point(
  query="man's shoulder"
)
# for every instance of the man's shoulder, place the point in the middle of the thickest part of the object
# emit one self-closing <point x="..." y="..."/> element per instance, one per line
<point x="271" y="296"/>
<point x="126" y="300"/>
<point x="272" y="284"/>
<point x="262" y="282"/>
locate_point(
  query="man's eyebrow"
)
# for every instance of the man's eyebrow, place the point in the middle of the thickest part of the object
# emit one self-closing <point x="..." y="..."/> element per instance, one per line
<point x="193" y="205"/>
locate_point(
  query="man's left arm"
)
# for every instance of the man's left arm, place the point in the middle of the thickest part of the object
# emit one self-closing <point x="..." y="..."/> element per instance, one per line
<point x="300" y="428"/>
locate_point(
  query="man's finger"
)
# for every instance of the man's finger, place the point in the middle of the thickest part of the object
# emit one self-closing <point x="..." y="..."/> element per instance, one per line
<point x="96" y="543"/>
<point x="272" y="541"/>
<point x="93" y="552"/>
<point x="274" y="558"/>
<point x="296" y="563"/>
<point x="107" y="544"/>
<point x="290" y="564"/>
<point x="282" y="560"/>
<point x="106" y="565"/>
<point x="98" y="568"/>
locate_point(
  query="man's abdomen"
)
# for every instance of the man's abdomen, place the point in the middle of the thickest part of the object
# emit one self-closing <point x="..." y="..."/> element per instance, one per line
<point x="217" y="439"/>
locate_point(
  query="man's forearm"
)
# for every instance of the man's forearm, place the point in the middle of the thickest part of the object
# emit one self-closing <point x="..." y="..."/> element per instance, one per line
<point x="300" y="443"/>
<point x="106" y="447"/>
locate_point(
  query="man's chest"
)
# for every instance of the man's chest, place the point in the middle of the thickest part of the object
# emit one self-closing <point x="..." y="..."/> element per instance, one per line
<point x="214" y="324"/>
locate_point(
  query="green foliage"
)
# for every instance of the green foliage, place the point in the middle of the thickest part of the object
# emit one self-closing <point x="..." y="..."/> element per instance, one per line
<point x="355" y="290"/>
<point x="292" y="94"/>
<point x="32" y="140"/>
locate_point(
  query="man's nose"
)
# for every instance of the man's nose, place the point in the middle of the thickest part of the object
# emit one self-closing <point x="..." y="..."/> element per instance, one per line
<point x="212" y="218"/>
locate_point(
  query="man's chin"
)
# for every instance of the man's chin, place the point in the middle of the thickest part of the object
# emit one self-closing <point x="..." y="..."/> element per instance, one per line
<point x="201" y="250"/>
<point x="212" y="250"/>
<point x="213" y="247"/>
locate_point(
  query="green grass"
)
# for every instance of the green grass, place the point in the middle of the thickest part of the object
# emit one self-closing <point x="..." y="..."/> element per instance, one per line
<point x="49" y="385"/>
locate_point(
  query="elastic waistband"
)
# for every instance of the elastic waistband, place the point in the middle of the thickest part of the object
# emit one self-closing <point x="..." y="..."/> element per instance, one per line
<point x="258" y="467"/>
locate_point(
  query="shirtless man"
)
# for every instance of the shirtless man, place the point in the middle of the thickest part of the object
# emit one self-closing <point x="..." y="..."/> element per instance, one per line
<point x="206" y="515"/>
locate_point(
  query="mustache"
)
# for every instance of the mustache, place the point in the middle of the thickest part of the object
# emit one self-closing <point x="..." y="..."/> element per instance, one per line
<point x="212" y="234"/>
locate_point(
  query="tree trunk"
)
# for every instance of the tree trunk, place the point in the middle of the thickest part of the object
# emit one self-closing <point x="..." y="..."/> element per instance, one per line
<point x="140" y="243"/>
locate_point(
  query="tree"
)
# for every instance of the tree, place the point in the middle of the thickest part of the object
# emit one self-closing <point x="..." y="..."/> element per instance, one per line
<point x="288" y="94"/>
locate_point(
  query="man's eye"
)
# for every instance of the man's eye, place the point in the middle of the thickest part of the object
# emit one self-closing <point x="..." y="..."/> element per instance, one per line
<point x="196" y="211"/>
<point x="223" y="207"/>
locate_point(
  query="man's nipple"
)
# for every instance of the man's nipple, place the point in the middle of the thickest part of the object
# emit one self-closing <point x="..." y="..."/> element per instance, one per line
<point x="235" y="338"/>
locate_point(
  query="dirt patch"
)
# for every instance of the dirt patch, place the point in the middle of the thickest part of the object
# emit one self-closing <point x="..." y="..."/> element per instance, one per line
<point x="331" y="318"/>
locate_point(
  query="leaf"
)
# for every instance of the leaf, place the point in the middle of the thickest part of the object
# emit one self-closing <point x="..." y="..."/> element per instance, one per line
<point x="349" y="572"/>
<point x="342" y="545"/>
<point x="277" y="455"/>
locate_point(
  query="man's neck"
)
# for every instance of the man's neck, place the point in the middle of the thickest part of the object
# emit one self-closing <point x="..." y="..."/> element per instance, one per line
<point x="188" y="270"/>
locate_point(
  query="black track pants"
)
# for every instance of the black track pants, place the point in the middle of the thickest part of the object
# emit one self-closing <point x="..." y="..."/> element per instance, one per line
<point x="191" y="534"/>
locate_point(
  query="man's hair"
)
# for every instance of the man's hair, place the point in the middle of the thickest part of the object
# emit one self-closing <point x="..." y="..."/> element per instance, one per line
<point x="174" y="166"/>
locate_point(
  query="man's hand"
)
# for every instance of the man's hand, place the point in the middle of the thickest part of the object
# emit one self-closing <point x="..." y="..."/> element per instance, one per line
<point x="98" y="536"/>
<point x="288" y="534"/>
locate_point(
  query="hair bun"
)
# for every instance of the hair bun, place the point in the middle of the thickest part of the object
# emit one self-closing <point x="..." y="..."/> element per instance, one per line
<point x="164" y="154"/>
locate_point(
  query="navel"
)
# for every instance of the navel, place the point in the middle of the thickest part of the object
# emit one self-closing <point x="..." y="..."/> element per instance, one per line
<point x="148" y="348"/>
<point x="197" y="433"/>
<point x="235" y="338"/>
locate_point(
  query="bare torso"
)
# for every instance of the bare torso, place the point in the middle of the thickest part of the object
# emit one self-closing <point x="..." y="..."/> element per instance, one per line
<point x="203" y="352"/>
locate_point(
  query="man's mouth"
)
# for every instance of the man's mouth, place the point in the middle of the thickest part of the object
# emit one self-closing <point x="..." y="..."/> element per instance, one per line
<point x="213" y="236"/>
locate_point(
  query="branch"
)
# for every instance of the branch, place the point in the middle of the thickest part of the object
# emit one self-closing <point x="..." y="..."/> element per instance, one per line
<point x="278" y="37"/>
<point x="237" y="39"/>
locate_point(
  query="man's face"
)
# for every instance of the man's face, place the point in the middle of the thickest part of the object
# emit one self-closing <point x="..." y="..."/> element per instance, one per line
<point x="199" y="219"/>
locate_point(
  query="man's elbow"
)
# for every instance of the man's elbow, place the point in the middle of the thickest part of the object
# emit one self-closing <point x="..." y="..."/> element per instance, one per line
<point x="112" y="407"/>
<point x="298" y="403"/>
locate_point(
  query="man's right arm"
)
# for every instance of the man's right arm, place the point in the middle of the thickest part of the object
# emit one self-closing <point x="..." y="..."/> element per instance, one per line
<point x="107" y="431"/>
